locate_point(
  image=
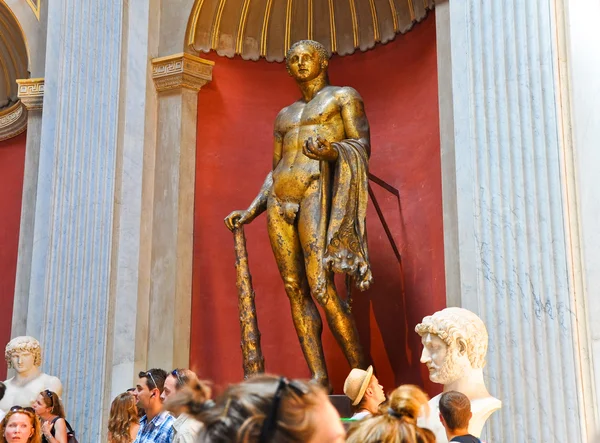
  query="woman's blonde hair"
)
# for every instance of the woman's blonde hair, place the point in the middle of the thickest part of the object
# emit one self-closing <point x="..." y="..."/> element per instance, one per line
<point x="36" y="436"/>
<point x="399" y="423"/>
<point x="273" y="407"/>
<point x="123" y="413"/>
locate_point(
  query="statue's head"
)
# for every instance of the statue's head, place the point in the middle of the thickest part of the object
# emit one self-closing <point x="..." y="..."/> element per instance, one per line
<point x="306" y="60"/>
<point x="454" y="341"/>
<point x="23" y="353"/>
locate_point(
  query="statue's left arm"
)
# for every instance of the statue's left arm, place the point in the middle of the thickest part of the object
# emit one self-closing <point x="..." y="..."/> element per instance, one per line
<point x="353" y="114"/>
<point x="346" y="240"/>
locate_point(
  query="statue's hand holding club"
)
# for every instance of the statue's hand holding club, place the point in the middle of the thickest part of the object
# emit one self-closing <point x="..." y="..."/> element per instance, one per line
<point x="237" y="219"/>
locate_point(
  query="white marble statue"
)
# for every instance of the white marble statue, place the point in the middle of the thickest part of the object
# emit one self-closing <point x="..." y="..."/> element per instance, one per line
<point x="455" y="343"/>
<point x="24" y="355"/>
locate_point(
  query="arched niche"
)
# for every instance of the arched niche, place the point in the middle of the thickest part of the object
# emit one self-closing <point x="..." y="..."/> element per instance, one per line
<point x="14" y="63"/>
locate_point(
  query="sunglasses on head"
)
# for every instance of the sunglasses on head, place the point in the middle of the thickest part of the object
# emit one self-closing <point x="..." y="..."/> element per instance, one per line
<point x="21" y="408"/>
<point x="48" y="394"/>
<point x="175" y="373"/>
<point x="152" y="378"/>
<point x="270" y="424"/>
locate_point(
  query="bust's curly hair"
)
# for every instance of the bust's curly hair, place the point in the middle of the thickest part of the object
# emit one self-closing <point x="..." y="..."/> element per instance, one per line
<point x="318" y="47"/>
<point x="21" y="344"/>
<point x="458" y="324"/>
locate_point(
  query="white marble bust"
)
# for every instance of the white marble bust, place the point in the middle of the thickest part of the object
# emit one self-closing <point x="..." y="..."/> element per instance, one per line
<point x="24" y="355"/>
<point x="455" y="342"/>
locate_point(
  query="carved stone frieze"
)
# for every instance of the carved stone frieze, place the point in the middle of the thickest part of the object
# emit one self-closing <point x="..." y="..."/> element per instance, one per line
<point x="13" y="121"/>
<point x="31" y="92"/>
<point x="181" y="71"/>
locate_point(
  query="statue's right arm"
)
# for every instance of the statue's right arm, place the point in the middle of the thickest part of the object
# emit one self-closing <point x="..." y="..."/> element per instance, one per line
<point x="259" y="204"/>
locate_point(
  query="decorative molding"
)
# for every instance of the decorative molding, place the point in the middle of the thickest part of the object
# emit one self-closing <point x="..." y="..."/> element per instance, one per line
<point x="31" y="92"/>
<point x="181" y="71"/>
<point x="268" y="28"/>
<point x="35" y="6"/>
<point x="13" y="121"/>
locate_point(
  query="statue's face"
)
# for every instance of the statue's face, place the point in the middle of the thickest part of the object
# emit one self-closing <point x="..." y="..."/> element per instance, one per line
<point x="445" y="363"/>
<point x="304" y="63"/>
<point x="22" y="361"/>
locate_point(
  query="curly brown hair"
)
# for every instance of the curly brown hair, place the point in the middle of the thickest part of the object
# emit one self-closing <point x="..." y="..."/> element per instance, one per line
<point x="123" y="413"/>
<point x="36" y="436"/>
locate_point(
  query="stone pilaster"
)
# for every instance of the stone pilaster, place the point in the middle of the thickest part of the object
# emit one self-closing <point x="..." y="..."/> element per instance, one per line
<point x="512" y="238"/>
<point x="31" y="94"/>
<point x="75" y="205"/>
<point x="178" y="79"/>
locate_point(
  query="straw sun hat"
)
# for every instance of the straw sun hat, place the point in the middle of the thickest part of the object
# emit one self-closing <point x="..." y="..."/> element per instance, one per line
<point x="356" y="384"/>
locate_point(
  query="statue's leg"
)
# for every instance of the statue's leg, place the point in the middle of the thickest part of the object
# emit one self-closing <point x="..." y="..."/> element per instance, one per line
<point x="307" y="321"/>
<point x="341" y="322"/>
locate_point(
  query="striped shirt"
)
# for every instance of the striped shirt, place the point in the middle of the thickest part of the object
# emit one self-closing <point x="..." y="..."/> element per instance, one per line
<point x="159" y="430"/>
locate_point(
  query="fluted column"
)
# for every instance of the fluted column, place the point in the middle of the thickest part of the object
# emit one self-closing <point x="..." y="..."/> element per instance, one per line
<point x="73" y="232"/>
<point x="31" y="94"/>
<point x="510" y="233"/>
<point x="178" y="79"/>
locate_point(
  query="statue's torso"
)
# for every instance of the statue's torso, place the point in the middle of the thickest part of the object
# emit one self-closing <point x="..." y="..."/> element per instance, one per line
<point x="17" y="395"/>
<point x="321" y="117"/>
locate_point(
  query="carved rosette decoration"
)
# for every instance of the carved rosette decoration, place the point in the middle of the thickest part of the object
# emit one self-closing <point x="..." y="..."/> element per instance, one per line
<point x="181" y="71"/>
<point x="13" y="121"/>
<point x="31" y="93"/>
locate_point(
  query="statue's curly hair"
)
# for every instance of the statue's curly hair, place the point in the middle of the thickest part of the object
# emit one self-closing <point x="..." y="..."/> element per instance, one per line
<point x="318" y="47"/>
<point x="20" y="344"/>
<point x="453" y="324"/>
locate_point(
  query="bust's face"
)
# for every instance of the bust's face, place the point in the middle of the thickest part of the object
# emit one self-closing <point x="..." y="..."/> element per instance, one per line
<point x="445" y="363"/>
<point x="304" y="63"/>
<point x="22" y="361"/>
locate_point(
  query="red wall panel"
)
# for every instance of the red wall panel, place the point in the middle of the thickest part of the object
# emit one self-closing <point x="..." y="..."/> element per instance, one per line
<point x="398" y="83"/>
<point x="12" y="163"/>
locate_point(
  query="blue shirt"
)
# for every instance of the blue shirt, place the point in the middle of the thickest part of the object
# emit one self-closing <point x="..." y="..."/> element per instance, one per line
<point x="159" y="430"/>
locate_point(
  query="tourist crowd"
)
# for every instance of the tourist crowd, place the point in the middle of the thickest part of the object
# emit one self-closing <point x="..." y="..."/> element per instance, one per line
<point x="177" y="407"/>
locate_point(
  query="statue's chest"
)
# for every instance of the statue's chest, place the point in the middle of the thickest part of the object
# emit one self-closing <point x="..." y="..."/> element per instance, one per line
<point x="318" y="111"/>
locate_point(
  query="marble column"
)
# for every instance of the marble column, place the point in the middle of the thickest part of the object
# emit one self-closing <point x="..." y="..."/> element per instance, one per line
<point x="75" y="204"/>
<point x="31" y="94"/>
<point x="178" y="78"/>
<point x="506" y="195"/>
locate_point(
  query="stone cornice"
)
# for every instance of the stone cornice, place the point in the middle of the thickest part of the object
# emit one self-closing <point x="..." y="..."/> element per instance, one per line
<point x="31" y="92"/>
<point x="181" y="71"/>
<point x="13" y="121"/>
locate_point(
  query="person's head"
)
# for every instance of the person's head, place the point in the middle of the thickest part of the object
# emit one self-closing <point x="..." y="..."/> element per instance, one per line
<point x="193" y="398"/>
<point x="408" y="402"/>
<point x="363" y="389"/>
<point x="149" y="387"/>
<point x="20" y="425"/>
<point x="176" y="380"/>
<point x="2" y="390"/>
<point x="269" y="409"/>
<point x="23" y="353"/>
<point x="454" y="341"/>
<point x="387" y="428"/>
<point x="48" y="403"/>
<point x="306" y="60"/>
<point x="123" y="413"/>
<point x="455" y="411"/>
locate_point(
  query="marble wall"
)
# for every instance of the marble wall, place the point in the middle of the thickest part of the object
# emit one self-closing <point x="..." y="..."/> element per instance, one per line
<point x="511" y="232"/>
